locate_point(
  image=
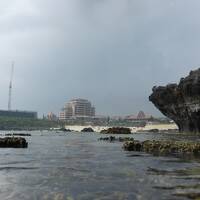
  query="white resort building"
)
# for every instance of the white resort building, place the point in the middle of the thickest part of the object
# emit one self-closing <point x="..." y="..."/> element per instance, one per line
<point x="77" y="108"/>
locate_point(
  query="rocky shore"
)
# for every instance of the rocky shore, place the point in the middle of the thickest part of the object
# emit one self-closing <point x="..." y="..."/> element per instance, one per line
<point x="13" y="142"/>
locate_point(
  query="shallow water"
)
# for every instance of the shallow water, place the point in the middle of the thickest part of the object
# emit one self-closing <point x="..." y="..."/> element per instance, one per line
<point x="74" y="166"/>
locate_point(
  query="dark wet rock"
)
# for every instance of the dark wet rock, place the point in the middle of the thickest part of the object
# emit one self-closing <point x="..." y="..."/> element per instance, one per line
<point x="65" y="130"/>
<point x="17" y="134"/>
<point x="180" y="102"/>
<point x="117" y="130"/>
<point x="116" y="139"/>
<point x="13" y="142"/>
<point x="153" y="131"/>
<point x="90" y="130"/>
<point x="163" y="147"/>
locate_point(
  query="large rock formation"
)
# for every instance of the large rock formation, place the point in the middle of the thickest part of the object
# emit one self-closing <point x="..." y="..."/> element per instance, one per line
<point x="180" y="102"/>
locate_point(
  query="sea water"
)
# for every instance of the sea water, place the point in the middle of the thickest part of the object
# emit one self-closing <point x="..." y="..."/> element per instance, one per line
<point x="76" y="166"/>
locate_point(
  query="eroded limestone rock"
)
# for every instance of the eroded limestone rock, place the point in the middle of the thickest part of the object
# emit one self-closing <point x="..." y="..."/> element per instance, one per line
<point x="180" y="102"/>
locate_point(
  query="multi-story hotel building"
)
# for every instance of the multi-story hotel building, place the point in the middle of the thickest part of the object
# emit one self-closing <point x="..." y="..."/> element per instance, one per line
<point x="77" y="108"/>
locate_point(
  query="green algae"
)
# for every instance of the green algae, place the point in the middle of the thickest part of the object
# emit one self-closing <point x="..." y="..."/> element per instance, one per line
<point x="164" y="147"/>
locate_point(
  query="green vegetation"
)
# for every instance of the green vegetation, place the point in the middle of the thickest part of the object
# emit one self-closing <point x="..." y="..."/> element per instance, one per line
<point x="9" y="123"/>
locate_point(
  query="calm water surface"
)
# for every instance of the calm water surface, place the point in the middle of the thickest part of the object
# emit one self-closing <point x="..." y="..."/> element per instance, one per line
<point x="74" y="166"/>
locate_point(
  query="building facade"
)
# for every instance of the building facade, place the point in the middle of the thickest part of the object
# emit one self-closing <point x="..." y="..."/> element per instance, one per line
<point x="51" y="116"/>
<point x="77" y="108"/>
<point x="140" y="116"/>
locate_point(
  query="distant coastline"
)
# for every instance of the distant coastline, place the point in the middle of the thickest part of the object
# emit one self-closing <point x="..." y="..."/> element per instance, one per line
<point x="161" y="127"/>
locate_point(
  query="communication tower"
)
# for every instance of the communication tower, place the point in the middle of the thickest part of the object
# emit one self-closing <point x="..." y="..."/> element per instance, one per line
<point x="10" y="87"/>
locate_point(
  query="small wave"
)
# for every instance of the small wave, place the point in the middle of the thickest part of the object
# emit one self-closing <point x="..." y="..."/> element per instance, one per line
<point x="16" y="162"/>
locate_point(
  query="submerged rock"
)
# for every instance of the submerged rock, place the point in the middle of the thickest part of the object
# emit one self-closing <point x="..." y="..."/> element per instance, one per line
<point x="13" y="142"/>
<point x="113" y="139"/>
<point x="155" y="130"/>
<point x="64" y="130"/>
<point x="117" y="130"/>
<point x="17" y="134"/>
<point x="90" y="130"/>
<point x="180" y="102"/>
<point x="163" y="147"/>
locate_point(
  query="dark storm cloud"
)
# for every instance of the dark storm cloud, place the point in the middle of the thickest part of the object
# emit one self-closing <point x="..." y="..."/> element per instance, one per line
<point x="109" y="51"/>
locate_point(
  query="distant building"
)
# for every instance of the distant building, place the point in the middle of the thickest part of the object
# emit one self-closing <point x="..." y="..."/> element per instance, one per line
<point x="62" y="115"/>
<point x="131" y="117"/>
<point x="51" y="116"/>
<point x="77" y="108"/>
<point x="144" y="116"/>
<point x="140" y="116"/>
<point x="18" y="114"/>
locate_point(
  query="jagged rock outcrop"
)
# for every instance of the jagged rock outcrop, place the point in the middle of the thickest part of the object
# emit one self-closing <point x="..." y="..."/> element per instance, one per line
<point x="180" y="102"/>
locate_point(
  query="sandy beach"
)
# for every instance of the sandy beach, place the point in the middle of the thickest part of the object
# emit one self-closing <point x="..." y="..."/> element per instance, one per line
<point x="133" y="129"/>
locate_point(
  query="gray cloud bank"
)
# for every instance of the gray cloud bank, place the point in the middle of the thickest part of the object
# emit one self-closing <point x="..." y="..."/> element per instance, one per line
<point x="109" y="51"/>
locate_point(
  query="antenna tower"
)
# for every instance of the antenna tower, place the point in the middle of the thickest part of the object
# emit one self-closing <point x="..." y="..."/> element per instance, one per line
<point x="10" y="87"/>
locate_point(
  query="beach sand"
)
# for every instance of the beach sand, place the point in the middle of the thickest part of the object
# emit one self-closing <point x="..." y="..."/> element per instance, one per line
<point x="133" y="129"/>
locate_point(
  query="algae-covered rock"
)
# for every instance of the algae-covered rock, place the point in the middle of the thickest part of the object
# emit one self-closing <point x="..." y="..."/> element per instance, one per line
<point x="13" y="142"/>
<point x="133" y="146"/>
<point x="163" y="147"/>
<point x="117" y="130"/>
<point x="113" y="139"/>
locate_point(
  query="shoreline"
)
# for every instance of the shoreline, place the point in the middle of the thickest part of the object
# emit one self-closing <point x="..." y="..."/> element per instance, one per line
<point x="98" y="129"/>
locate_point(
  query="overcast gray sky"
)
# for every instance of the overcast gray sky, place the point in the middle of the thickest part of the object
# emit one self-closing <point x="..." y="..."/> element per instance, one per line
<point x="111" y="52"/>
